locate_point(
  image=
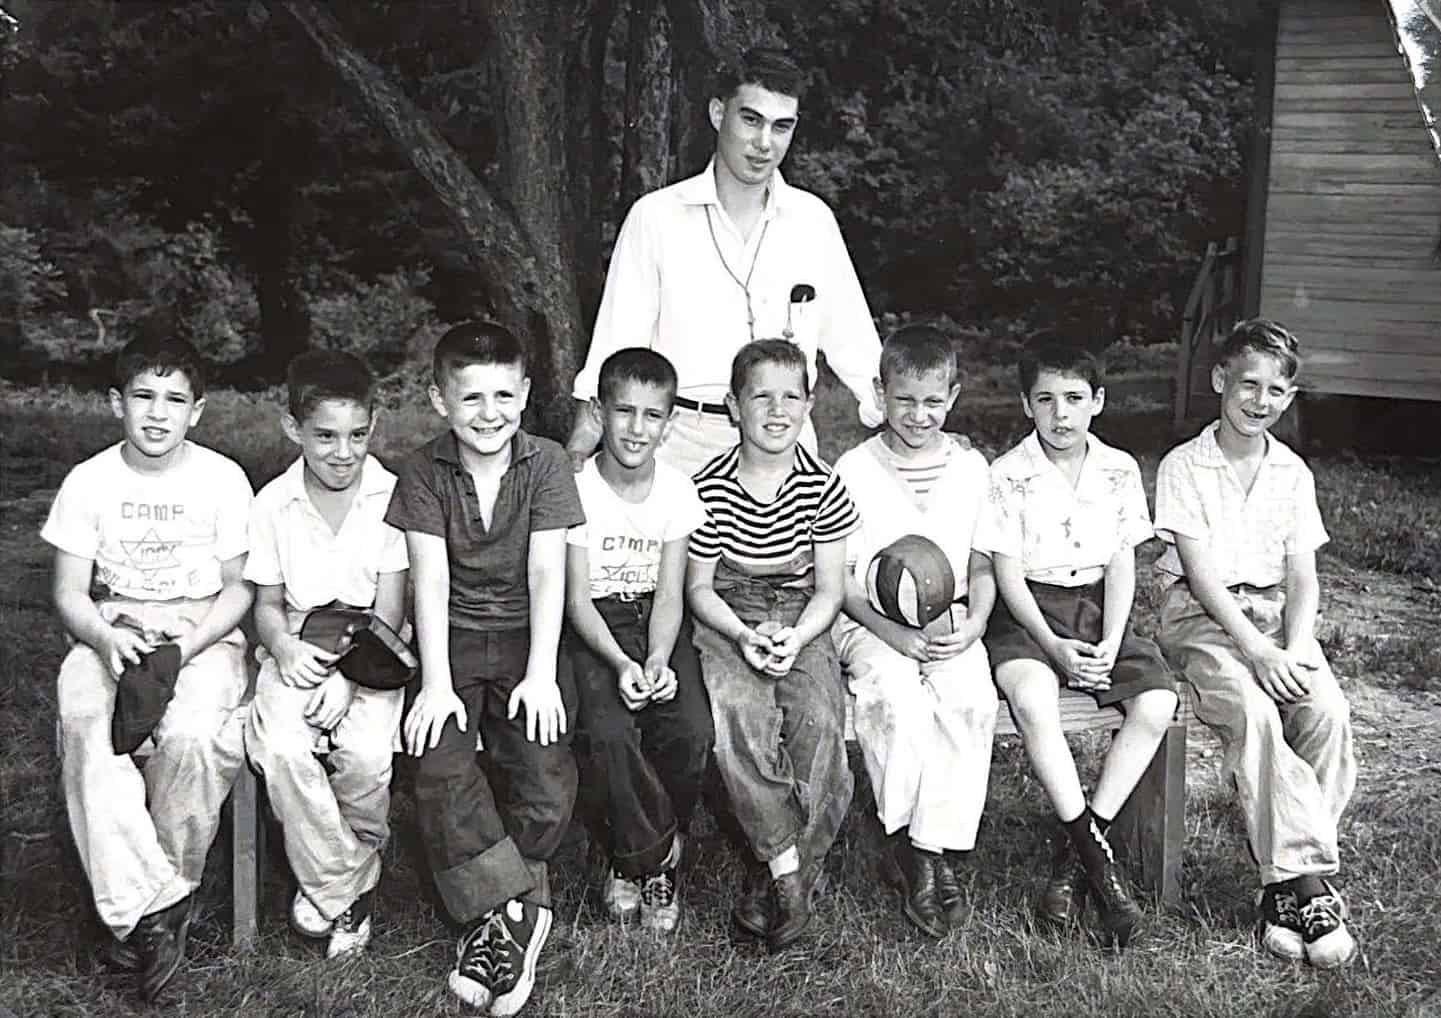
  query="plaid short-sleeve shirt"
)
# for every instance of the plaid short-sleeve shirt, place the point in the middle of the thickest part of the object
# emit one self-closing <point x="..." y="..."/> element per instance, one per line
<point x="1063" y="535"/>
<point x="1247" y="535"/>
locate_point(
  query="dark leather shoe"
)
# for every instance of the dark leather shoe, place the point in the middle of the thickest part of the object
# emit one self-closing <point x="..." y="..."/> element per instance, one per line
<point x="1117" y="910"/>
<point x="751" y="913"/>
<point x="121" y="955"/>
<point x="919" y="900"/>
<point x="161" y="939"/>
<point x="1063" y="902"/>
<point x="948" y="893"/>
<point x="792" y="910"/>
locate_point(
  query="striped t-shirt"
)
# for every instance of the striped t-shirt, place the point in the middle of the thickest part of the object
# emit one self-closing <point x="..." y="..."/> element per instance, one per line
<point x="772" y="539"/>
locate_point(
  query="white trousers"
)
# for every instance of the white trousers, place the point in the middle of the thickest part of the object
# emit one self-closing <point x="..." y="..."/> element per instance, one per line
<point x="925" y="734"/>
<point x="143" y="833"/>
<point x="335" y="824"/>
<point x="696" y="438"/>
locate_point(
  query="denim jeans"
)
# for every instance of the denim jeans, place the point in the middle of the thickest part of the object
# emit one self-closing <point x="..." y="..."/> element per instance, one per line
<point x="641" y="771"/>
<point x="490" y="821"/>
<point x="780" y="742"/>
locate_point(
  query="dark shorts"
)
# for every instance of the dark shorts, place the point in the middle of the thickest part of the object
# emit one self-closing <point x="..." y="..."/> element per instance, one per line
<point x="1074" y="613"/>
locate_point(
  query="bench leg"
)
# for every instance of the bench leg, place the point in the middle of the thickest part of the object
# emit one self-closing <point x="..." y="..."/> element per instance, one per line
<point x="246" y="831"/>
<point x="1153" y="822"/>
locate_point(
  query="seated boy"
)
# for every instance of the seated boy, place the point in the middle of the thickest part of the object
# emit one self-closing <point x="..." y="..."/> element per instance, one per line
<point x="765" y="582"/>
<point x="1238" y="512"/>
<point x="1063" y="518"/>
<point x="925" y="709"/>
<point x="318" y="536"/>
<point x="642" y="706"/>
<point x="485" y="508"/>
<point x="150" y="541"/>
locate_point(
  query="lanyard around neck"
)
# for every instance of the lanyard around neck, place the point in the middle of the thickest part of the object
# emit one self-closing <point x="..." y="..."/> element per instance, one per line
<point x="744" y="284"/>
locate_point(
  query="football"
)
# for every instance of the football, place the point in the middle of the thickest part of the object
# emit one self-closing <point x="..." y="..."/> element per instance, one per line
<point x="910" y="581"/>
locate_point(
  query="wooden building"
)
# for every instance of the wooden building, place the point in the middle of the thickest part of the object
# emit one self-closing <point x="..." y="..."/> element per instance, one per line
<point x="1343" y="239"/>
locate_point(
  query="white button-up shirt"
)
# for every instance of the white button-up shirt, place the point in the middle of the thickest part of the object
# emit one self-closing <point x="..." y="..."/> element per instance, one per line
<point x="1246" y="536"/>
<point x="291" y="544"/>
<point x="1063" y="535"/>
<point x="678" y="279"/>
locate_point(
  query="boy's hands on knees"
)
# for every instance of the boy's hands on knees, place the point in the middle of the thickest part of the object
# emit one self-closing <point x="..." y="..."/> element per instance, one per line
<point x="428" y="714"/>
<point x="1282" y="673"/>
<point x="662" y="680"/>
<point x="634" y="686"/>
<point x="330" y="702"/>
<point x="123" y="647"/>
<point x="303" y="665"/>
<point x="544" y="708"/>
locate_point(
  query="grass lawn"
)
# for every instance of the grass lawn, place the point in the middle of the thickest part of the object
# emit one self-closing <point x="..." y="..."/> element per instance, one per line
<point x="1380" y="602"/>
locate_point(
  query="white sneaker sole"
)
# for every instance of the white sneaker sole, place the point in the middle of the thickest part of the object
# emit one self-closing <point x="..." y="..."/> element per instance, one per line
<point x="343" y="944"/>
<point x="1334" y="950"/>
<point x="512" y="1001"/>
<point x="477" y="995"/>
<point x="306" y="920"/>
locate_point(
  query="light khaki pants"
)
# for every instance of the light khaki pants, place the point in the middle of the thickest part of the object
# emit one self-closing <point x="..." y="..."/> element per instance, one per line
<point x="695" y="438"/>
<point x="143" y="833"/>
<point x="925" y="735"/>
<point x="1292" y="764"/>
<point x="336" y="824"/>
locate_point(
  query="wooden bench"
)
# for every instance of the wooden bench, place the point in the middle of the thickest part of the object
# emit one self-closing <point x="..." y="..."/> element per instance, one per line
<point x="1152" y="826"/>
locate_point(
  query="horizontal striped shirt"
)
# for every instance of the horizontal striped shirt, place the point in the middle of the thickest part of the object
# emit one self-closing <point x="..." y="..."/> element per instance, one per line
<point x="774" y="539"/>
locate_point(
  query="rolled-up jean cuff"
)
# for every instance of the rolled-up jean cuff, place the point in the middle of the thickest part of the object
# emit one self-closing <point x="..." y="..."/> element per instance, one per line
<point x="485" y="881"/>
<point x="647" y="860"/>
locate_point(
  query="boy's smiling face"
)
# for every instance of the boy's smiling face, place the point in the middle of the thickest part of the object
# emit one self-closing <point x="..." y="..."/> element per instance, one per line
<point x="916" y="406"/>
<point x="772" y="407"/>
<point x="482" y="403"/>
<point x="156" y="412"/>
<point x="333" y="438"/>
<point x="1255" y="391"/>
<point x="634" y="419"/>
<point x="1062" y="405"/>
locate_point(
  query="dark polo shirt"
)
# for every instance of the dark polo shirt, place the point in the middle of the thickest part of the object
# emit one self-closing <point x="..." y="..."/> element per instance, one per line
<point x="434" y="494"/>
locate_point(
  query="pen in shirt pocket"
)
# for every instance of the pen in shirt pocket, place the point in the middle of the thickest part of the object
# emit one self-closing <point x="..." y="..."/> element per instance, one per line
<point x="801" y="294"/>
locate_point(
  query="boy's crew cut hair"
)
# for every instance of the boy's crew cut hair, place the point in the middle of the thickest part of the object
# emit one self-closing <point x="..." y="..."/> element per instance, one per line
<point x="915" y="350"/>
<point x="319" y="375"/>
<point x="160" y="354"/>
<point x="1065" y="355"/>
<point x="476" y="343"/>
<point x="1264" y="336"/>
<point x="635" y="364"/>
<point x="770" y="68"/>
<point x="767" y="351"/>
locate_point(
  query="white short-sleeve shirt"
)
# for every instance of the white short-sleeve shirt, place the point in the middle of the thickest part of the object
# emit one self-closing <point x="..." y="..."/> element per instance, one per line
<point x="623" y="540"/>
<point x="291" y="544"/>
<point x="1063" y="535"/>
<point x="1246" y="535"/>
<point x="153" y="537"/>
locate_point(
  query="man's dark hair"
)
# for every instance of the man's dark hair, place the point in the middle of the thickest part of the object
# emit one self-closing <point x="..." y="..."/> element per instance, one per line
<point x="635" y="364"/>
<point x="319" y="375"/>
<point x="475" y="343"/>
<point x="767" y="351"/>
<point x="771" y="69"/>
<point x="160" y="353"/>
<point x="1065" y="355"/>
<point x="1265" y="336"/>
<point x="917" y="349"/>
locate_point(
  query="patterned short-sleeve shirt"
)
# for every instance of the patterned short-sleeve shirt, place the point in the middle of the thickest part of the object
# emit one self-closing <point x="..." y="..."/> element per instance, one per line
<point x="1246" y="535"/>
<point x="774" y="539"/>
<point x="1063" y="535"/>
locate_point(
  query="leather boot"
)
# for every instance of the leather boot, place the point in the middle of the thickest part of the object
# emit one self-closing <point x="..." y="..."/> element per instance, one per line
<point x="752" y="909"/>
<point x="1063" y="901"/>
<point x="919" y="900"/>
<point x="792" y="910"/>
<point x="948" y="892"/>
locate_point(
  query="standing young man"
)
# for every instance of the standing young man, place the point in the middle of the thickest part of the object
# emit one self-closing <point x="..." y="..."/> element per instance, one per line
<point x="734" y="254"/>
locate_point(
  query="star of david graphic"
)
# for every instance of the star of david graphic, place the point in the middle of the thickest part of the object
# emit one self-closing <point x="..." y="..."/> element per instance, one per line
<point x="150" y="554"/>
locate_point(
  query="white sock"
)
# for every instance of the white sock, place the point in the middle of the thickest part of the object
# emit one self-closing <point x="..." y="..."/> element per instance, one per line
<point x="787" y="862"/>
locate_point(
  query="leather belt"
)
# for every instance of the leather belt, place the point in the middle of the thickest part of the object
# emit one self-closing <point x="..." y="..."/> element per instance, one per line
<point x="705" y="408"/>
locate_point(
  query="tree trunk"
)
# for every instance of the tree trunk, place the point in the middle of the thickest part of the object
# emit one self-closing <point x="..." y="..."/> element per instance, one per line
<point x="530" y="281"/>
<point x="284" y="320"/>
<point x="647" y="162"/>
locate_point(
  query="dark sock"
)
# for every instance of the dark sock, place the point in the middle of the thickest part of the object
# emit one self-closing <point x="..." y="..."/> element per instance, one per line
<point x="1103" y="823"/>
<point x="1090" y="841"/>
<point x="1306" y="888"/>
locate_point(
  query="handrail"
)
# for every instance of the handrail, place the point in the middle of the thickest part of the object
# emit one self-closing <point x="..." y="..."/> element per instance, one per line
<point x="1211" y="309"/>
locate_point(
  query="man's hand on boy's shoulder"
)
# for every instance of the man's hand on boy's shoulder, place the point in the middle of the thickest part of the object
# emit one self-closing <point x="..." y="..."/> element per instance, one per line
<point x="428" y="714"/>
<point x="544" y="709"/>
<point x="302" y="665"/>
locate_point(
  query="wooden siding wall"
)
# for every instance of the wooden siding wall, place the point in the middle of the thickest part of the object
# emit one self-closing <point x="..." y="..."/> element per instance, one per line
<point x="1354" y="206"/>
